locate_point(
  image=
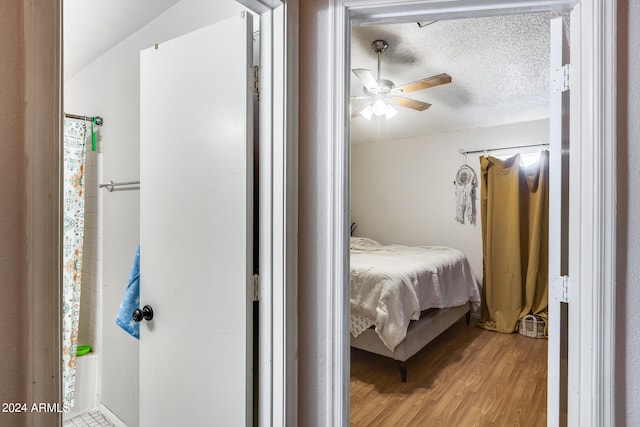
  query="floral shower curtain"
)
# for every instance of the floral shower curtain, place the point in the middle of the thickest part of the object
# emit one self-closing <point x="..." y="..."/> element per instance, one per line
<point x="73" y="208"/>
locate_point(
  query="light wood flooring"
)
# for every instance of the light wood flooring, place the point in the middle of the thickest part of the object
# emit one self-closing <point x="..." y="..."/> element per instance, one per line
<point x="466" y="377"/>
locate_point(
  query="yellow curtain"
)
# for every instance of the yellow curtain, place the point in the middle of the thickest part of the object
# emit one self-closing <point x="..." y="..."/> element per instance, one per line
<point x="515" y="234"/>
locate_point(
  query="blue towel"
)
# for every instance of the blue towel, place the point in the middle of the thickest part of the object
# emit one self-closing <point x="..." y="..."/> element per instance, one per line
<point x="131" y="300"/>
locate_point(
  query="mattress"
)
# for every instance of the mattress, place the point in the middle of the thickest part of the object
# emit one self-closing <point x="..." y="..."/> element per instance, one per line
<point x="391" y="284"/>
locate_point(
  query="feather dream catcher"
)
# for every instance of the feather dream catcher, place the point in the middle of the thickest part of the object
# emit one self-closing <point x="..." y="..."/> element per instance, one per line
<point x="465" y="183"/>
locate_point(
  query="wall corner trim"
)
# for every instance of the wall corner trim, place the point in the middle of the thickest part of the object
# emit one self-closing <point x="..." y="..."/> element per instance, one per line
<point x="41" y="207"/>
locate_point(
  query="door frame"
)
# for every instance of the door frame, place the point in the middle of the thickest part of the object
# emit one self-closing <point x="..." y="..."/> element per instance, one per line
<point x="277" y="186"/>
<point x="592" y="263"/>
<point x="43" y="200"/>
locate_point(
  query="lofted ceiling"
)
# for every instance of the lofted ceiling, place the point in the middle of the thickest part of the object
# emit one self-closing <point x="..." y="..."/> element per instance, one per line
<point x="92" y="27"/>
<point x="499" y="69"/>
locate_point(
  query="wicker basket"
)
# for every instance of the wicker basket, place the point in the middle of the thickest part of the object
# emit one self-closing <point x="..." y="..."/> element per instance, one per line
<point x="531" y="326"/>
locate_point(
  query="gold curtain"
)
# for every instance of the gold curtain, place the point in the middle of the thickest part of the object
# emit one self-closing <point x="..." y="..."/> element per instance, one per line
<point x="515" y="234"/>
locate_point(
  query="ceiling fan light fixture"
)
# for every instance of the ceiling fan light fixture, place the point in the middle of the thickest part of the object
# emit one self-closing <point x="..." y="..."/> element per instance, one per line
<point x="367" y="112"/>
<point x="379" y="107"/>
<point x="390" y="112"/>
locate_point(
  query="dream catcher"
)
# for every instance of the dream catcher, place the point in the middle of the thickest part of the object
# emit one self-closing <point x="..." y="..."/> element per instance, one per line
<point x="465" y="183"/>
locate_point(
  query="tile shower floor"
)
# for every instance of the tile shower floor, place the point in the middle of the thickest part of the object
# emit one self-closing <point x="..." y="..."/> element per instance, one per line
<point x="92" y="419"/>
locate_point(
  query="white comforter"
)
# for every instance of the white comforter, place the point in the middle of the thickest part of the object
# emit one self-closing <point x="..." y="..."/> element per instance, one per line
<point x="391" y="284"/>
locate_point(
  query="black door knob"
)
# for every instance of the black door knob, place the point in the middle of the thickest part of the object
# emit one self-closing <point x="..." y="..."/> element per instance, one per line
<point x="146" y="313"/>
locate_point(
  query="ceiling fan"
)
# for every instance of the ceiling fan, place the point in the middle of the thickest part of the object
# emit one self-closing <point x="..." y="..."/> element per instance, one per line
<point x="382" y="93"/>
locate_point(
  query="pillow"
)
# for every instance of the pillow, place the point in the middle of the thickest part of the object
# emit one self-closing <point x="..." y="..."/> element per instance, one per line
<point x="363" y="244"/>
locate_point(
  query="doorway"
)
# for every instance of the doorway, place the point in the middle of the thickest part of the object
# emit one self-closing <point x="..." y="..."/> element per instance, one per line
<point x="325" y="198"/>
<point x="117" y="99"/>
<point x="402" y="168"/>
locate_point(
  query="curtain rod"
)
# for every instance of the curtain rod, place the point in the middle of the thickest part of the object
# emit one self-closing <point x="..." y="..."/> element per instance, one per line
<point x="486" y="150"/>
<point x="110" y="186"/>
<point x="98" y="120"/>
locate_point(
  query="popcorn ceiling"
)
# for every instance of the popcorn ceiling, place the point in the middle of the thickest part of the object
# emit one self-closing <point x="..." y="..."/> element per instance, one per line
<point x="499" y="66"/>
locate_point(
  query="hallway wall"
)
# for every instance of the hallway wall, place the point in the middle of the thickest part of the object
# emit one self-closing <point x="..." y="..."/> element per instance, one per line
<point x="11" y="204"/>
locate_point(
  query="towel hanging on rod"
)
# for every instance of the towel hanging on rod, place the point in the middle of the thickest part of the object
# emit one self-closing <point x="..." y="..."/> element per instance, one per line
<point x="131" y="300"/>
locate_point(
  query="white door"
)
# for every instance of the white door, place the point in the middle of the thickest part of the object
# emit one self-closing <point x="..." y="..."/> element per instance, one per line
<point x="196" y="228"/>
<point x="558" y="226"/>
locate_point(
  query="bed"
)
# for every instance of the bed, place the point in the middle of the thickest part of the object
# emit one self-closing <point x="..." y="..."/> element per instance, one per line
<point x="402" y="297"/>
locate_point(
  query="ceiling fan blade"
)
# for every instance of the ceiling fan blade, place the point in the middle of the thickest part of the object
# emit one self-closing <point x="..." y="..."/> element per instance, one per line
<point x="409" y="103"/>
<point x="424" y="83"/>
<point x="366" y="77"/>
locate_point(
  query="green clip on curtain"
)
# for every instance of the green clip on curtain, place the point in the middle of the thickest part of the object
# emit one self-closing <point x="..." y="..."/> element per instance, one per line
<point x="93" y="134"/>
<point x="95" y="121"/>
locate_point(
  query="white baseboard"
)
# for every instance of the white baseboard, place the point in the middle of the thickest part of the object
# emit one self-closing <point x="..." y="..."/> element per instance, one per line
<point x="113" y="418"/>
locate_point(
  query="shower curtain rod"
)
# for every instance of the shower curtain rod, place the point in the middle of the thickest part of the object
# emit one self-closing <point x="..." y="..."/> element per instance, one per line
<point x="98" y="120"/>
<point x="110" y="186"/>
<point x="486" y="150"/>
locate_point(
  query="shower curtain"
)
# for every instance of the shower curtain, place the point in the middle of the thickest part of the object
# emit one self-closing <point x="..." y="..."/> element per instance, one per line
<point x="73" y="210"/>
<point x="515" y="239"/>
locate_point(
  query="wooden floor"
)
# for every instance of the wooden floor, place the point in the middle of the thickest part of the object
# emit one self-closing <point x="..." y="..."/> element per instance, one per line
<point x="466" y="377"/>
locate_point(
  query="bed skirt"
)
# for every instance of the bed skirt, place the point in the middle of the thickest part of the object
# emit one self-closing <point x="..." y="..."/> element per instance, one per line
<point x="420" y="332"/>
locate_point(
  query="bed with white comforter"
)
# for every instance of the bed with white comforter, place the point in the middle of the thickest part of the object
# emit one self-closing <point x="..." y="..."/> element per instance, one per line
<point x="392" y="284"/>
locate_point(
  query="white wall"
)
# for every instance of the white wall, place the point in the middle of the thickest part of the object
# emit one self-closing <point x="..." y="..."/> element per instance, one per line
<point x="402" y="191"/>
<point x="110" y="87"/>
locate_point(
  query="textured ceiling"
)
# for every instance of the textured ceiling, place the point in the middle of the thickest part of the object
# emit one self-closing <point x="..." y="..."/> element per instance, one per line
<point x="498" y="65"/>
<point x="91" y="27"/>
<point x="499" y="69"/>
